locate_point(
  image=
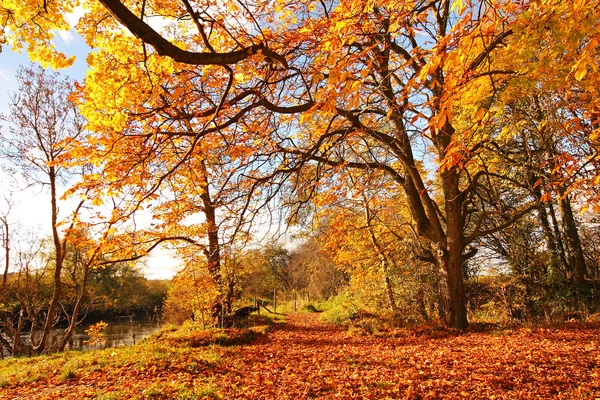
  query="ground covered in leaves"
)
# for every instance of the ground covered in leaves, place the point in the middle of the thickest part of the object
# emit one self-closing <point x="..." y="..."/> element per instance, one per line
<point x="305" y="358"/>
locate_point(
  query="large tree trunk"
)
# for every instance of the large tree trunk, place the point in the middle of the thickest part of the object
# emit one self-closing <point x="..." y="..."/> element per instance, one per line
<point x="450" y="257"/>
<point x="453" y="307"/>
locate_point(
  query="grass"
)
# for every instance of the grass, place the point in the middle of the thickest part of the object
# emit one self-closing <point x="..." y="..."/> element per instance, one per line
<point x="301" y="306"/>
<point x="171" y="351"/>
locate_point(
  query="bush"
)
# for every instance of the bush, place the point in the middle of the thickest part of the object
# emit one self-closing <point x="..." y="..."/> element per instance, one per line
<point x="309" y="308"/>
<point x="192" y="335"/>
<point x="339" y="309"/>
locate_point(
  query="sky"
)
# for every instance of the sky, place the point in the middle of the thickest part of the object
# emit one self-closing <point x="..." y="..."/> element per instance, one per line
<point x="32" y="209"/>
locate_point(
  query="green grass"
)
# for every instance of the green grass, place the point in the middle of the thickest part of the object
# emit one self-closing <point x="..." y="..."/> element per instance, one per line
<point x="301" y="306"/>
<point x="184" y="349"/>
<point x="338" y="310"/>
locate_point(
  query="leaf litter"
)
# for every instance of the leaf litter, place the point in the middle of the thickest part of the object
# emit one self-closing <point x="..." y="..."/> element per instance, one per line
<point x="306" y="358"/>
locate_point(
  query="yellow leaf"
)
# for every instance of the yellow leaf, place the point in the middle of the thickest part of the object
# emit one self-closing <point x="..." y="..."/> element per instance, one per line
<point x="460" y="4"/>
<point x="581" y="71"/>
<point x="480" y="114"/>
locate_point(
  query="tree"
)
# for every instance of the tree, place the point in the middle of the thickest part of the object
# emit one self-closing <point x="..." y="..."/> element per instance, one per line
<point x="42" y="124"/>
<point x="191" y="295"/>
<point x="372" y="86"/>
<point x="313" y="267"/>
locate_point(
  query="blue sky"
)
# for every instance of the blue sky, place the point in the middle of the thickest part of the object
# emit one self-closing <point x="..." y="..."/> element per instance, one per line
<point x="30" y="211"/>
<point x="69" y="43"/>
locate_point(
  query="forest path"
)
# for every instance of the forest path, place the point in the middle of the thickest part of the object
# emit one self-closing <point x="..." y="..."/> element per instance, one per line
<point x="305" y="358"/>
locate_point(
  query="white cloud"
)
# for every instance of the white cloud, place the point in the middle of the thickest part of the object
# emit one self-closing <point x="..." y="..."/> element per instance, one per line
<point x="4" y="75"/>
<point x="66" y="36"/>
<point x="162" y="264"/>
<point x="74" y="17"/>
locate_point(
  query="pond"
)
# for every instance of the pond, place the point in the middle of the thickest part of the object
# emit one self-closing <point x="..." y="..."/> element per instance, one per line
<point x="119" y="332"/>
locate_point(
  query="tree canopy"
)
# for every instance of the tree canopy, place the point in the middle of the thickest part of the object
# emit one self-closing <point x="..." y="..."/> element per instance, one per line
<point x="467" y="116"/>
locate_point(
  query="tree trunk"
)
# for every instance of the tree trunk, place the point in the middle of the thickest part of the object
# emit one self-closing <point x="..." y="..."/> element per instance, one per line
<point x="73" y="322"/>
<point x="59" y="257"/>
<point x="554" y="261"/>
<point x="450" y="257"/>
<point x="6" y="246"/>
<point x="420" y="300"/>
<point x="453" y="300"/>
<point x="386" y="262"/>
<point x="229" y="295"/>
<point x="213" y="253"/>
<point x="575" y="251"/>
<point x="558" y="237"/>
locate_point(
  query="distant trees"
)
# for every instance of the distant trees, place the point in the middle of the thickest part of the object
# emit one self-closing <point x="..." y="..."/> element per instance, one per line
<point x="27" y="293"/>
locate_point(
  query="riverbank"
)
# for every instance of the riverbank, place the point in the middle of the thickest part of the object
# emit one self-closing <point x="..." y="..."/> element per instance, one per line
<point x="306" y="358"/>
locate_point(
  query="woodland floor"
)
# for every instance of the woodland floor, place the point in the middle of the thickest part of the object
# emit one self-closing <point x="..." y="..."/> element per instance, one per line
<point x="305" y="358"/>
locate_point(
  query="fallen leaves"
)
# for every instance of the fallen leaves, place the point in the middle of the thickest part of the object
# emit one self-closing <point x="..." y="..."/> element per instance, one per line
<point x="306" y="358"/>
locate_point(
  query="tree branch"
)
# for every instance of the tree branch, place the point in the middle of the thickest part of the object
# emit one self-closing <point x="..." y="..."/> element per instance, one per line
<point x="144" y="32"/>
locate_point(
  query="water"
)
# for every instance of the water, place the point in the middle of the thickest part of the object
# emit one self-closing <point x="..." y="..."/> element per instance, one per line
<point x="119" y="332"/>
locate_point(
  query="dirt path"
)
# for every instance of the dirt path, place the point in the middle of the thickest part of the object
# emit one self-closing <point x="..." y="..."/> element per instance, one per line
<point x="306" y="358"/>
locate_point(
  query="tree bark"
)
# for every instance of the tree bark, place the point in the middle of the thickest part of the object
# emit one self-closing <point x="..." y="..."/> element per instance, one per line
<point x="558" y="236"/>
<point x="554" y="261"/>
<point x="6" y="246"/>
<point x="386" y="262"/>
<point x="450" y="257"/>
<point x="453" y="307"/>
<point x="575" y="251"/>
<point x="80" y="298"/>
<point x="213" y="252"/>
<point x="41" y="347"/>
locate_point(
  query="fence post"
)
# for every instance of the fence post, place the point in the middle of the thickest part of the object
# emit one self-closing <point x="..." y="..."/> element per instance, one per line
<point x="222" y="315"/>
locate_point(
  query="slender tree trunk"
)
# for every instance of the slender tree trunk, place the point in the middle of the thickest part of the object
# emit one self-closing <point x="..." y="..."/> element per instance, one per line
<point x="5" y="315"/>
<point x="213" y="252"/>
<point x="6" y="246"/>
<point x="386" y="262"/>
<point x="420" y="300"/>
<point x="558" y="237"/>
<point x="17" y="334"/>
<point x="76" y="308"/>
<point x="229" y="295"/>
<point x="575" y="251"/>
<point x="59" y="258"/>
<point x="554" y="261"/>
